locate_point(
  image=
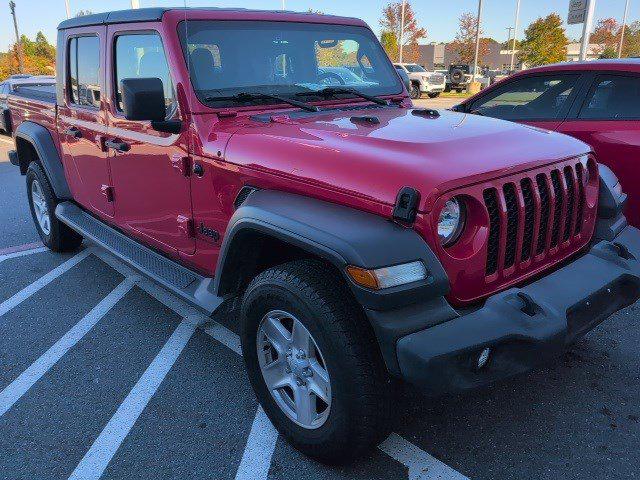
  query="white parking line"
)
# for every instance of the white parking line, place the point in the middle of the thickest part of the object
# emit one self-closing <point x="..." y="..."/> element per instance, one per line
<point x="22" y="253"/>
<point x="16" y="389"/>
<point x="421" y="465"/>
<point x="29" y="290"/>
<point x="261" y="443"/>
<point x="95" y="461"/>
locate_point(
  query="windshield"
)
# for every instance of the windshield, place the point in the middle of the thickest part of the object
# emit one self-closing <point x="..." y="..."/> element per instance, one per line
<point x="413" y="68"/>
<point x="229" y="57"/>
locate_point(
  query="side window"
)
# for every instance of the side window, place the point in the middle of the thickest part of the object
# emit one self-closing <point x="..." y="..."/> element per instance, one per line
<point x="613" y="97"/>
<point x="142" y="56"/>
<point x="84" y="71"/>
<point x="530" y="98"/>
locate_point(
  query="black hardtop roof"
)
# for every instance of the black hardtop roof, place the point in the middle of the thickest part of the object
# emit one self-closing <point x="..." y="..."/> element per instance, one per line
<point x="146" y="15"/>
<point x="118" y="16"/>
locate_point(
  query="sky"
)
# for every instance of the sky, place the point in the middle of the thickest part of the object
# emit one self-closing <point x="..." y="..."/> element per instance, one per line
<point x="439" y="17"/>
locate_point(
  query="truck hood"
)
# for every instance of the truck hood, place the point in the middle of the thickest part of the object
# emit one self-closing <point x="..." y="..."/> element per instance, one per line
<point x="339" y="151"/>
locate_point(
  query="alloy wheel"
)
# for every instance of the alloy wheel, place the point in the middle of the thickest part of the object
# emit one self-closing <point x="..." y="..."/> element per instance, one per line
<point x="40" y="207"/>
<point x="294" y="369"/>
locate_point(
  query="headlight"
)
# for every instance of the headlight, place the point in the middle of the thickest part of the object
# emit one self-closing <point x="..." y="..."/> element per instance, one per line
<point x="451" y="222"/>
<point x="388" y="277"/>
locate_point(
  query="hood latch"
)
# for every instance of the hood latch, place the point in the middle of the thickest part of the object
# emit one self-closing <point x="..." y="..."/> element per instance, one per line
<point x="406" y="207"/>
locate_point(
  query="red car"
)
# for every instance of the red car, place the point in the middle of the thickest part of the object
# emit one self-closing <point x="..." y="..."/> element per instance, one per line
<point x="597" y="102"/>
<point x="363" y="238"/>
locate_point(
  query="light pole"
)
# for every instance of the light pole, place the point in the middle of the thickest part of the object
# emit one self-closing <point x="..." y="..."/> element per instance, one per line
<point x="586" y="29"/>
<point x="404" y="2"/>
<point x="135" y="4"/>
<point x="12" y="7"/>
<point x="66" y="4"/>
<point x="509" y="29"/>
<point x="284" y="5"/>
<point x="515" y="36"/>
<point x="475" y="58"/>
<point x="624" y="26"/>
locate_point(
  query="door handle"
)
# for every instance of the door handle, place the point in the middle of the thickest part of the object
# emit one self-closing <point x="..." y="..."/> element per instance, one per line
<point x="73" y="132"/>
<point x="117" y="145"/>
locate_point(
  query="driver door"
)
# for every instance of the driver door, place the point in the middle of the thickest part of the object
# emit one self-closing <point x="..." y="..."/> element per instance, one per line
<point x="538" y="100"/>
<point x="149" y="169"/>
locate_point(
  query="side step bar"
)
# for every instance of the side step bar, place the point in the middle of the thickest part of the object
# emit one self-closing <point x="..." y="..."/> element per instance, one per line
<point x="183" y="282"/>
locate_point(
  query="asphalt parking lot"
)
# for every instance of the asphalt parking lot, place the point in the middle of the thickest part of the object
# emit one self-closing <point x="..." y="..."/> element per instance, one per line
<point x="105" y="375"/>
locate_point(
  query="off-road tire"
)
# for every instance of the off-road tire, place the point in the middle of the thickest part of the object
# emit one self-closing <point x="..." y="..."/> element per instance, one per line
<point x="360" y="386"/>
<point x="415" y="92"/>
<point x="60" y="238"/>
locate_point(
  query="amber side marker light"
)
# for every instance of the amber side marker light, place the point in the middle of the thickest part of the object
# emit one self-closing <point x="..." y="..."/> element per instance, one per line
<point x="388" y="277"/>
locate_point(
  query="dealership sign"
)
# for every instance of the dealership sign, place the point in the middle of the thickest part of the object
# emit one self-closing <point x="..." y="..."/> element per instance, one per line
<point x="577" y="11"/>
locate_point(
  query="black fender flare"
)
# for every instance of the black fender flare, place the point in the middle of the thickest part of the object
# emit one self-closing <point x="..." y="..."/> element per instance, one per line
<point x="340" y="235"/>
<point x="42" y="142"/>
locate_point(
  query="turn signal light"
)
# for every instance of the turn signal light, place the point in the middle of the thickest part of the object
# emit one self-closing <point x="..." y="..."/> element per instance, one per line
<point x="387" y="277"/>
<point x="363" y="277"/>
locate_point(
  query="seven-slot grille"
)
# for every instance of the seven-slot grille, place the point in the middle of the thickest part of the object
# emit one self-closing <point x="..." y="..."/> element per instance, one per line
<point x="556" y="201"/>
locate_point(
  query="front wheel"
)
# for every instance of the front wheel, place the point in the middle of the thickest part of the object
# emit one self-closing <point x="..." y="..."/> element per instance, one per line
<point x="313" y="362"/>
<point x="42" y="202"/>
<point x="415" y="91"/>
<point x="434" y="94"/>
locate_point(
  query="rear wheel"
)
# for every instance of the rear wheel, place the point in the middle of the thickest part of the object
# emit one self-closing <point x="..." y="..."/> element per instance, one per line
<point x="313" y="362"/>
<point x="42" y="202"/>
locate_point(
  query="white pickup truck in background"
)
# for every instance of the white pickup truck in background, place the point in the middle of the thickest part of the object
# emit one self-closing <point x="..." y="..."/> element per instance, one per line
<point x="422" y="81"/>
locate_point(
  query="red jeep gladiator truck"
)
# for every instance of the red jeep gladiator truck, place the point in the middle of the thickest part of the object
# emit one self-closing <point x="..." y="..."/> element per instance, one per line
<point x="218" y="152"/>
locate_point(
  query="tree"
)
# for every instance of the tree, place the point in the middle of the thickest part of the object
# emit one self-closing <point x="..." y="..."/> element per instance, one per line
<point x="82" y="13"/>
<point x="545" y="42"/>
<point x="631" y="46"/>
<point x="390" y="44"/>
<point x="39" y="57"/>
<point x="607" y="35"/>
<point x="608" y="52"/>
<point x="464" y="44"/>
<point x="391" y="21"/>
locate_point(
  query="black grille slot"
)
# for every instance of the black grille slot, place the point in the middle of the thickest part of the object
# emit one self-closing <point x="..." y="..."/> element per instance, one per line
<point x="529" y="218"/>
<point x="545" y="207"/>
<point x="581" y="200"/>
<point x="491" y="202"/>
<point x="557" y="211"/>
<point x="571" y="201"/>
<point x="511" y="199"/>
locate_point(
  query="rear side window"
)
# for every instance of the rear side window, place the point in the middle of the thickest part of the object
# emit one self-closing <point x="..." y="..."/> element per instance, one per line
<point x="142" y="56"/>
<point x="541" y="97"/>
<point x="613" y="97"/>
<point x="84" y="71"/>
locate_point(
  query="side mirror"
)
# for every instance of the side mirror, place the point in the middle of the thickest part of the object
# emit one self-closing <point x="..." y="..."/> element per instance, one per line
<point x="143" y="99"/>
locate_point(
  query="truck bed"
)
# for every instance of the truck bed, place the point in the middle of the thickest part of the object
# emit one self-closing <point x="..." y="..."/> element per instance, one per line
<point x="36" y="103"/>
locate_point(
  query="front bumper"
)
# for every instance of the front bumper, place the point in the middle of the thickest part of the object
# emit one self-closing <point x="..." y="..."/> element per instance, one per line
<point x="428" y="88"/>
<point x="525" y="326"/>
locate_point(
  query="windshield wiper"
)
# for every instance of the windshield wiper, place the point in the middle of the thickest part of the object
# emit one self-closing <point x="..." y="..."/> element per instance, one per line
<point x="248" y="97"/>
<point x="332" y="91"/>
